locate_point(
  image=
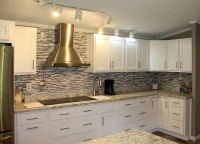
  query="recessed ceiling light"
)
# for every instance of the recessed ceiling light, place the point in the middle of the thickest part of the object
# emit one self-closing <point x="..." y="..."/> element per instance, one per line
<point x="57" y="11"/>
<point x="78" y="14"/>
<point x="107" y="19"/>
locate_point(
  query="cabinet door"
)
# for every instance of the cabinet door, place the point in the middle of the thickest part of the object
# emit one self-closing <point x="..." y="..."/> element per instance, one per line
<point x="4" y="30"/>
<point x="117" y="53"/>
<point x="107" y="123"/>
<point x="185" y="51"/>
<point x="25" y="50"/>
<point x="163" y="112"/>
<point x="173" y="56"/>
<point x="32" y="134"/>
<point x="131" y="54"/>
<point x="154" y="111"/>
<point x="158" y="55"/>
<point x="102" y="54"/>
<point x="143" y="54"/>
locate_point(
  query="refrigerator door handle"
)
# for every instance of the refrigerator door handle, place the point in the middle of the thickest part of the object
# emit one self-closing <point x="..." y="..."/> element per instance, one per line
<point x="6" y="138"/>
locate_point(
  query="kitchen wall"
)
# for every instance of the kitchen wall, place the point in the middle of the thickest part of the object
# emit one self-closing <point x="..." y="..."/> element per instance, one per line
<point x="69" y="81"/>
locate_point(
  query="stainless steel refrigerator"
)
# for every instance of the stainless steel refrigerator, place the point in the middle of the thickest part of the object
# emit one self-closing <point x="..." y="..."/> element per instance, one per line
<point x="6" y="94"/>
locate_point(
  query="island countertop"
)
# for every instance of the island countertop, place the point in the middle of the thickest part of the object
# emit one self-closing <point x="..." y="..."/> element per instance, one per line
<point x="20" y="108"/>
<point x="134" y="136"/>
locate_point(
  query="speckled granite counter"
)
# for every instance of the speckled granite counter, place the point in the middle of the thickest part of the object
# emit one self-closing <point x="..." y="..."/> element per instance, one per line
<point x="133" y="136"/>
<point x="20" y="108"/>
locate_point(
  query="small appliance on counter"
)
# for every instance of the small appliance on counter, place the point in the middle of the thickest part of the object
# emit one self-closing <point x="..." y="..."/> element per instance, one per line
<point x="155" y="86"/>
<point x="109" y="87"/>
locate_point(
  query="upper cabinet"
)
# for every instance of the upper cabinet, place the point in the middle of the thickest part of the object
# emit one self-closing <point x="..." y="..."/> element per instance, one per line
<point x="158" y="55"/>
<point x="7" y="31"/>
<point x="25" y="50"/>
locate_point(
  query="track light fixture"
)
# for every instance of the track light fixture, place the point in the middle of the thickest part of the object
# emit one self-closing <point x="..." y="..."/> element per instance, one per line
<point x="78" y="14"/>
<point x="42" y="2"/>
<point x="132" y="33"/>
<point x="57" y="11"/>
<point x="100" y="30"/>
<point x="107" y="19"/>
<point x="116" y="32"/>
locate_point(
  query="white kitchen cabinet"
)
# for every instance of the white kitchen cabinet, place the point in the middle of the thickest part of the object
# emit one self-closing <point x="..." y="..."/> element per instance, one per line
<point x="154" y="111"/>
<point x="25" y="50"/>
<point x="163" y="112"/>
<point x="158" y="55"/>
<point x="185" y="55"/>
<point x="143" y="54"/>
<point x="32" y="134"/>
<point x="107" y="124"/>
<point x="7" y="31"/>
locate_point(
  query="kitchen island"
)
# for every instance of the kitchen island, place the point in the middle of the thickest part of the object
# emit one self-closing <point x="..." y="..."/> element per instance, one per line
<point x="134" y="136"/>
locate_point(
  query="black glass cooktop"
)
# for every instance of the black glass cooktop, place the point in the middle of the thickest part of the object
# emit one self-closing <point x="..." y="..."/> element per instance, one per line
<point x="65" y="100"/>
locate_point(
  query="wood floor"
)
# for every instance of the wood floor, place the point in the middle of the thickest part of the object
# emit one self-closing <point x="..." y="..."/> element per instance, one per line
<point x="175" y="139"/>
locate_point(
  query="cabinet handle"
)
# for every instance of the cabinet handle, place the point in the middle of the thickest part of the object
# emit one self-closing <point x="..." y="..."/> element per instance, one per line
<point x="175" y="113"/>
<point x="87" y="110"/>
<point x="127" y="129"/>
<point x="87" y="140"/>
<point x="102" y="120"/>
<point x="65" y="128"/>
<point x="87" y="124"/>
<point x="166" y="104"/>
<point x="175" y="126"/>
<point x="181" y="64"/>
<point x="143" y="113"/>
<point x="113" y="64"/>
<point x="143" y="126"/>
<point x="32" y="128"/>
<point x="127" y="104"/>
<point x="64" y="114"/>
<point x="33" y="64"/>
<point x="175" y="102"/>
<point x="110" y="65"/>
<point x="143" y="102"/>
<point x="32" y="118"/>
<point x="128" y="116"/>
<point x="176" y="64"/>
<point x="152" y="104"/>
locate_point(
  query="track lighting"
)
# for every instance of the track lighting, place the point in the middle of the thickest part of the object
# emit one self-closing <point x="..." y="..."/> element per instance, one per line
<point x="132" y="33"/>
<point x="42" y="2"/>
<point x="116" y="32"/>
<point x="57" y="11"/>
<point x="107" y="19"/>
<point x="100" y="30"/>
<point x="78" y="15"/>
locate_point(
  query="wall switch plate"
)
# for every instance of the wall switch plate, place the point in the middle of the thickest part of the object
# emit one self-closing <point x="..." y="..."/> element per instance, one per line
<point x="28" y="87"/>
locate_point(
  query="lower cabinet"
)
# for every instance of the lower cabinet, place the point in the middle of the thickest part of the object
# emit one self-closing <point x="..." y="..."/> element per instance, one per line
<point x="163" y="112"/>
<point x="32" y="134"/>
<point x="154" y="111"/>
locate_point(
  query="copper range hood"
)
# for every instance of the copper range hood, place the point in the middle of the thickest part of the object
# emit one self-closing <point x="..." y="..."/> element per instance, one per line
<point x="64" y="55"/>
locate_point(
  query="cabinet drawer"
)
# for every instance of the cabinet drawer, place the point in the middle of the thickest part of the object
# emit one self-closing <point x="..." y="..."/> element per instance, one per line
<point x="134" y="114"/>
<point x="176" y="126"/>
<point x="125" y="104"/>
<point x="76" y="138"/>
<point x="142" y="124"/>
<point x="176" y="113"/>
<point x="108" y="107"/>
<point x="176" y="102"/>
<point x="74" y="125"/>
<point x="74" y="112"/>
<point x="31" y="118"/>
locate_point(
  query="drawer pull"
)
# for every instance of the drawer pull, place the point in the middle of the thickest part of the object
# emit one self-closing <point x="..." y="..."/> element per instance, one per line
<point x="32" y="128"/>
<point x="175" y="126"/>
<point x="87" y="140"/>
<point x="64" y="114"/>
<point x="87" y="124"/>
<point x="127" y="116"/>
<point x="65" y="128"/>
<point x="176" y="102"/>
<point x="127" y="129"/>
<point x="143" y="102"/>
<point x="175" y="113"/>
<point x="128" y="104"/>
<point x="143" y="126"/>
<point x="87" y="110"/>
<point x="143" y="113"/>
<point x="32" y="118"/>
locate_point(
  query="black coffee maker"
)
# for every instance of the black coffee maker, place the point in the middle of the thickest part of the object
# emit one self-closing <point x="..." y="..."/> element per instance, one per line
<point x="109" y="87"/>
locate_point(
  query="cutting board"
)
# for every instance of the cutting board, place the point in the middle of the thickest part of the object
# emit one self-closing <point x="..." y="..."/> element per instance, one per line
<point x="33" y="105"/>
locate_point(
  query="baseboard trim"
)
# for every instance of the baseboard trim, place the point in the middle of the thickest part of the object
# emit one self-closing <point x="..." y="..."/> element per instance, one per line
<point x="195" y="138"/>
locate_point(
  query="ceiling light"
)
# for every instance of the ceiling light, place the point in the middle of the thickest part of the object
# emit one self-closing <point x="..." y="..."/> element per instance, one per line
<point x="107" y="19"/>
<point x="100" y="30"/>
<point x="132" y="33"/>
<point x="78" y="15"/>
<point x="57" y="11"/>
<point x="42" y="2"/>
<point x="116" y="32"/>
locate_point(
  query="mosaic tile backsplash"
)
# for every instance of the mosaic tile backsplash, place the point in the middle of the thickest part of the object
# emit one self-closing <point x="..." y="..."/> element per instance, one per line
<point x="69" y="81"/>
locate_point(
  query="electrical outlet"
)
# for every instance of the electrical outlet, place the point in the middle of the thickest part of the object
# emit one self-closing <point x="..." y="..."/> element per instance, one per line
<point x="28" y="87"/>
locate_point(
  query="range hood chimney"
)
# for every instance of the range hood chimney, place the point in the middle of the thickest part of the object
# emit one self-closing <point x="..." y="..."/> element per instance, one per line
<point x="64" y="55"/>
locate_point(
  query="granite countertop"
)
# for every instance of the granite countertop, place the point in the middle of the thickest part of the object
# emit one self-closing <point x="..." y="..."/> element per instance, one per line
<point x="134" y="136"/>
<point x="20" y="108"/>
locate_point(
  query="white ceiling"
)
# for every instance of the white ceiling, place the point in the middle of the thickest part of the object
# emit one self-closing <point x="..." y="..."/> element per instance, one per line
<point x="151" y="18"/>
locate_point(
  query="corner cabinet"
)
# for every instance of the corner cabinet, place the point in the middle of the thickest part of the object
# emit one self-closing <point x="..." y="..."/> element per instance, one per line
<point x="7" y="31"/>
<point x="25" y="50"/>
